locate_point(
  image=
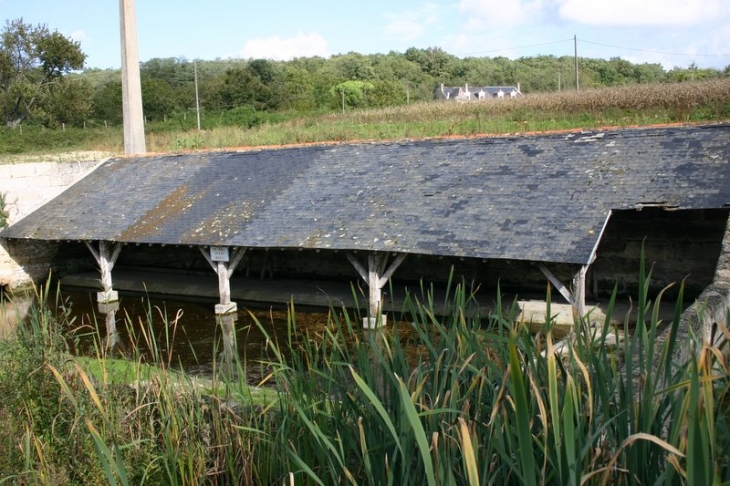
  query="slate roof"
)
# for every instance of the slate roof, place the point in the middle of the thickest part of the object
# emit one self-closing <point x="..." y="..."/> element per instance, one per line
<point x="538" y="198"/>
<point x="454" y="92"/>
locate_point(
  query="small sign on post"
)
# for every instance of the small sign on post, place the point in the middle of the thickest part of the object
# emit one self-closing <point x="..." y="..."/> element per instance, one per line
<point x="219" y="254"/>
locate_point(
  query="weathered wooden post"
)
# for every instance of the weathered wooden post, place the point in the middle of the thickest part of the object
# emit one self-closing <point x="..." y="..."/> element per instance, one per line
<point x="579" y="292"/>
<point x="106" y="256"/>
<point x="376" y="277"/>
<point x="224" y="265"/>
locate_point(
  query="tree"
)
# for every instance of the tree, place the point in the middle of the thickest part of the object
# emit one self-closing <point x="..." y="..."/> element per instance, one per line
<point x="433" y="61"/>
<point x="69" y="102"/>
<point x="353" y="92"/>
<point x="33" y="61"/>
<point x="158" y="99"/>
<point x="108" y="102"/>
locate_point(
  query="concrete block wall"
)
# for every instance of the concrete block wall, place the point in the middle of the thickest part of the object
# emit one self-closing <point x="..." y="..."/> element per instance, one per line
<point x="24" y="188"/>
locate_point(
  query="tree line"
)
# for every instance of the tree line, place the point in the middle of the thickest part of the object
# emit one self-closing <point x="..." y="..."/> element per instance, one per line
<point x="42" y="81"/>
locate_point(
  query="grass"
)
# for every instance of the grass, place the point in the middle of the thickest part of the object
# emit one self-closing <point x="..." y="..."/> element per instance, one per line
<point x="637" y="105"/>
<point x="482" y="401"/>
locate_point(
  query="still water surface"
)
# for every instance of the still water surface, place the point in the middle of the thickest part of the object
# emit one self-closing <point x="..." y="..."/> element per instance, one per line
<point x="190" y="336"/>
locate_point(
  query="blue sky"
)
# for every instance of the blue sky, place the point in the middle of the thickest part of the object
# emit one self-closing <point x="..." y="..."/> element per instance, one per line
<point x="669" y="32"/>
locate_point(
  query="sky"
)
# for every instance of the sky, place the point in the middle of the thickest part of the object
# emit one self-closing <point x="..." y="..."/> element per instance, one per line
<point x="673" y="33"/>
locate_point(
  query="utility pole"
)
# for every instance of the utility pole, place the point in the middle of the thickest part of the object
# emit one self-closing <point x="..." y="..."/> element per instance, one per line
<point x="575" y="48"/>
<point x="197" y="99"/>
<point x="134" y="142"/>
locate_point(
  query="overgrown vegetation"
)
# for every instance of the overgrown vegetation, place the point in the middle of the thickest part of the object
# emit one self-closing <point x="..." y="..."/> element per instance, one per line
<point x="480" y="401"/>
<point x="46" y="87"/>
<point x="3" y="212"/>
<point x="623" y="106"/>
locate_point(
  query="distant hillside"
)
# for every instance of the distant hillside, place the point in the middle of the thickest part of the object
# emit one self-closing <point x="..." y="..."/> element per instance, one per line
<point x="689" y="102"/>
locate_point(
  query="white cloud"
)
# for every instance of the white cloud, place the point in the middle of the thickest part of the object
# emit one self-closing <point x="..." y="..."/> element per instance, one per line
<point x="503" y="13"/>
<point x="405" y="29"/>
<point x="282" y="49"/>
<point x="411" y="24"/>
<point x="645" y="12"/>
<point x="78" y="36"/>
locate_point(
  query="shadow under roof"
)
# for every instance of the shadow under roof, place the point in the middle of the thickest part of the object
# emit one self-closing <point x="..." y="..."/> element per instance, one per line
<point x="538" y="197"/>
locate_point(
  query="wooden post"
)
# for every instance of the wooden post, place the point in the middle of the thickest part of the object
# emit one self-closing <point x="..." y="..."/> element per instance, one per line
<point x="224" y="283"/>
<point x="579" y="292"/>
<point x="106" y="256"/>
<point x="224" y="265"/>
<point x="376" y="277"/>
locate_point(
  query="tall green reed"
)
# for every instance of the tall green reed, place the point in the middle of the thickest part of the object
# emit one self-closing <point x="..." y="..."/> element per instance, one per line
<point x="485" y="401"/>
<point x="467" y="398"/>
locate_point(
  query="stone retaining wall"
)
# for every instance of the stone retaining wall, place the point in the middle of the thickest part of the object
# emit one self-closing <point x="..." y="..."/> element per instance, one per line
<point x="24" y="188"/>
<point x="711" y="308"/>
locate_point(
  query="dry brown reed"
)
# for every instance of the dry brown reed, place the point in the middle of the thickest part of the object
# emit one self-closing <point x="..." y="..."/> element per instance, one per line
<point x="619" y="106"/>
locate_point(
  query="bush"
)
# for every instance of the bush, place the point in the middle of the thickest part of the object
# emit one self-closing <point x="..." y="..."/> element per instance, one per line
<point x="3" y="212"/>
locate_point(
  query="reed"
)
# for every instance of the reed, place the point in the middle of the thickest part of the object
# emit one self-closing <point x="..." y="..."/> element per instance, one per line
<point x="473" y="399"/>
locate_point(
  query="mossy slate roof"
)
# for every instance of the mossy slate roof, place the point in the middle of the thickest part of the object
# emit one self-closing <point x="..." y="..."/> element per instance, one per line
<point x="533" y="197"/>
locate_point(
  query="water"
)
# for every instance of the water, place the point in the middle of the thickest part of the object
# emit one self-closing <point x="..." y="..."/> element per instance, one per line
<point x="189" y="336"/>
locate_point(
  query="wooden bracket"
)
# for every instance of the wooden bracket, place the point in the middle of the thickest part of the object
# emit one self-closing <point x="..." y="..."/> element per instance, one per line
<point x="376" y="276"/>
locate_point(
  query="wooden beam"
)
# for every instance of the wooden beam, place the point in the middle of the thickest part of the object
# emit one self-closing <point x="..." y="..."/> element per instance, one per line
<point x="207" y="258"/>
<point x="556" y="283"/>
<point x="391" y="270"/>
<point x="224" y="284"/>
<point x="358" y="267"/>
<point x="106" y="261"/>
<point x="375" y="263"/>
<point x="93" y="251"/>
<point x="224" y="270"/>
<point x="237" y="256"/>
<point x="376" y="276"/>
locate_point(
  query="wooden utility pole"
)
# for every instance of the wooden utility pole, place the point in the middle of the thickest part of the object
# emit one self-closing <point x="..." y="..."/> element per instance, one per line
<point x="197" y="99"/>
<point x="134" y="142"/>
<point x="575" y="55"/>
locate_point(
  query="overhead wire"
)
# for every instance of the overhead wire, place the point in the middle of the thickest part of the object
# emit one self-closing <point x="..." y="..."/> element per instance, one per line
<point x="594" y="43"/>
<point x="652" y="51"/>
<point x="518" y="47"/>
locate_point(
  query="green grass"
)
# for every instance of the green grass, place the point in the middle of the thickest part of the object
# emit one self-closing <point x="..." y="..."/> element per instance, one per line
<point x="691" y="102"/>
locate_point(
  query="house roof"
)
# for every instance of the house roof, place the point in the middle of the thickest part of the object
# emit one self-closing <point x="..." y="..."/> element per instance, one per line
<point x="492" y="91"/>
<point x="539" y="198"/>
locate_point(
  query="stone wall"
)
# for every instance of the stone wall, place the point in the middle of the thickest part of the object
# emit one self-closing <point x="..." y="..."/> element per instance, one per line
<point x="678" y="246"/>
<point x="24" y="188"/>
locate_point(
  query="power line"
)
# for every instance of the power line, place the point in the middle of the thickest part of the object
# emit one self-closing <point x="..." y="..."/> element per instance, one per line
<point x="597" y="44"/>
<point x="518" y="47"/>
<point x="653" y="52"/>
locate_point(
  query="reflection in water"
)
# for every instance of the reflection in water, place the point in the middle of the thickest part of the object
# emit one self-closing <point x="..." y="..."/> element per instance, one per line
<point x="12" y="312"/>
<point x="190" y="336"/>
<point x="227" y="324"/>
<point x="109" y="311"/>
